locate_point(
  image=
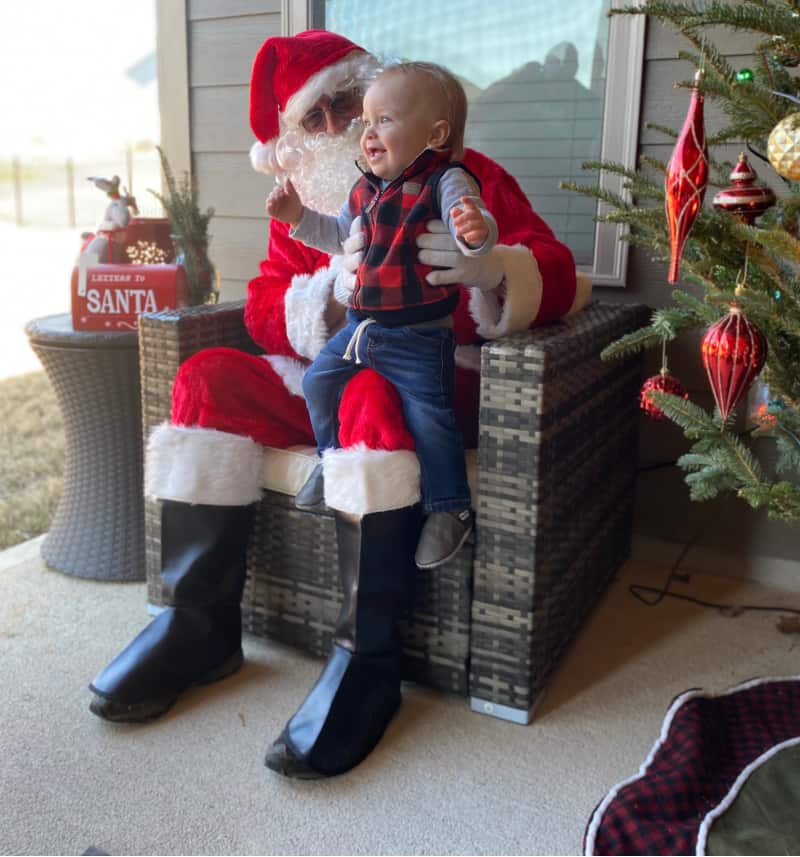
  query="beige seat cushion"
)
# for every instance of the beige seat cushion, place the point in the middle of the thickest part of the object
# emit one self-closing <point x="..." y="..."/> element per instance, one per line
<point x="286" y="470"/>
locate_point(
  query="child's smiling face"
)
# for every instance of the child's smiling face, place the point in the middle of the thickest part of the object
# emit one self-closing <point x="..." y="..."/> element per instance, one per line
<point x="398" y="124"/>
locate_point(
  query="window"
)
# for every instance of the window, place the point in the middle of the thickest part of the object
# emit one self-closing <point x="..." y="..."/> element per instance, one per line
<point x="549" y="86"/>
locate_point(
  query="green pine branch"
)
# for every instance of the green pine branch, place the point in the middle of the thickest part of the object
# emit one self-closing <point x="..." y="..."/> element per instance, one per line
<point x="672" y="133"/>
<point x="665" y="324"/>
<point x="771" y="18"/>
<point x="718" y="448"/>
<point x="180" y="203"/>
<point x="603" y="194"/>
<point x="654" y="164"/>
<point x="781" y="500"/>
<point x="787" y="444"/>
<point x="721" y="462"/>
<point x="704" y="314"/>
<point x="720" y="247"/>
<point x="631" y="343"/>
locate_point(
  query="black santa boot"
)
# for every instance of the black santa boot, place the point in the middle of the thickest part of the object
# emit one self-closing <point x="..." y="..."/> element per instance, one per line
<point x="358" y="692"/>
<point x="197" y="639"/>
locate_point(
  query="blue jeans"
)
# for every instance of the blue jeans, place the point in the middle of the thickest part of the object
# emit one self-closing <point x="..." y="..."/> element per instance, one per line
<point x="420" y="363"/>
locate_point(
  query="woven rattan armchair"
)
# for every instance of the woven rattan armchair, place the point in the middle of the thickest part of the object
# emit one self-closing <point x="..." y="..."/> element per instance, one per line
<point x="556" y="467"/>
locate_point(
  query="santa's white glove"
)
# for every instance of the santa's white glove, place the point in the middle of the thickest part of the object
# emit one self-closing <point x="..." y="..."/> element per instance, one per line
<point x="439" y="249"/>
<point x="353" y="248"/>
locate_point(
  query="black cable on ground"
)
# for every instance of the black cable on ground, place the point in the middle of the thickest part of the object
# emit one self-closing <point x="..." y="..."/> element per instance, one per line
<point x="638" y="590"/>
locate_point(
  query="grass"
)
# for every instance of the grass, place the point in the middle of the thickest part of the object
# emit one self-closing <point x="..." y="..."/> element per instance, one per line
<point x="32" y="463"/>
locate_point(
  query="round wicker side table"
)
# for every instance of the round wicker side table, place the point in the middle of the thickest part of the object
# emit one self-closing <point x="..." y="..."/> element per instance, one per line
<point x="98" y="528"/>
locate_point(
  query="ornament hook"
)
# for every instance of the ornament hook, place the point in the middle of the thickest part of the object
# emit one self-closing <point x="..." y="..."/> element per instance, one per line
<point x="741" y="277"/>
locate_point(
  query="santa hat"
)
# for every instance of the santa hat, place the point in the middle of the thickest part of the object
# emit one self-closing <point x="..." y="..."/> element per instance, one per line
<point x="289" y="75"/>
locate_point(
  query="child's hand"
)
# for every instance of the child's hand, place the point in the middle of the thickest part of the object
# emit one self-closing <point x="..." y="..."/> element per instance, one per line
<point x="284" y="204"/>
<point x="469" y="223"/>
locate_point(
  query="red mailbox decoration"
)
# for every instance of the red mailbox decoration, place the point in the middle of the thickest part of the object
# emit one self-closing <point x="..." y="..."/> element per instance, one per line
<point x="110" y="297"/>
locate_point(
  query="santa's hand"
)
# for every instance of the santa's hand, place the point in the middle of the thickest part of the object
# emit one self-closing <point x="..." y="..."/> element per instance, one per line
<point x="284" y="204"/>
<point x="343" y="287"/>
<point x="353" y="248"/>
<point x="438" y="248"/>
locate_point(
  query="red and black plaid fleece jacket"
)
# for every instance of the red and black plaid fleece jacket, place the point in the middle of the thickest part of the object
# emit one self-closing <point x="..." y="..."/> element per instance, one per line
<point x="390" y="282"/>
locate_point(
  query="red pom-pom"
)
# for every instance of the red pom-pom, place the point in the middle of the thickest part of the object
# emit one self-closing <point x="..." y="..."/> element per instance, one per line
<point x="662" y="383"/>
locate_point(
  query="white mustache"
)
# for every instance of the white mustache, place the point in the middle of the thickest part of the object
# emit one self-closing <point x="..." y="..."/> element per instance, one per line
<point x="321" y="166"/>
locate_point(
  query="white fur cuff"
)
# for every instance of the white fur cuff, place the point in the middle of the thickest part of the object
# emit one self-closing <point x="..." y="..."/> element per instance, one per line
<point x="305" y="303"/>
<point x="523" y="295"/>
<point x="583" y="292"/>
<point x="360" y="480"/>
<point x="197" y="465"/>
<point x="289" y="370"/>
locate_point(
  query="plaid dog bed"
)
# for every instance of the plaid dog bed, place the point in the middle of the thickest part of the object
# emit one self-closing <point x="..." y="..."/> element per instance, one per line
<point x="708" y="748"/>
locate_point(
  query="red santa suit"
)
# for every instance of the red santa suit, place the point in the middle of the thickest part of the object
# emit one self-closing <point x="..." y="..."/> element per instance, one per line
<point x="228" y="405"/>
<point x="208" y="464"/>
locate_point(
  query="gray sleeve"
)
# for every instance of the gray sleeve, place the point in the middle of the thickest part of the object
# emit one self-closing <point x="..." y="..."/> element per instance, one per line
<point x="323" y="231"/>
<point x="454" y="184"/>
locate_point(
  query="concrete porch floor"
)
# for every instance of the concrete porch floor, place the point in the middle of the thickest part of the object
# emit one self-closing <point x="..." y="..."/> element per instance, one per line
<point x="443" y="780"/>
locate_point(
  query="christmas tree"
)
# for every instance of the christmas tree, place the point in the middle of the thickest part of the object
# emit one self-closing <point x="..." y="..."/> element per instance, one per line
<point x="741" y="254"/>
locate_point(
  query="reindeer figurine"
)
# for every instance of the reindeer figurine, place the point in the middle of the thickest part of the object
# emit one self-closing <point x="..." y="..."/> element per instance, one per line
<point x="110" y="234"/>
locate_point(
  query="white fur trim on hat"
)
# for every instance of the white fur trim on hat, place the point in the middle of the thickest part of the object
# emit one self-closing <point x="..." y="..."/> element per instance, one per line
<point x="523" y="295"/>
<point x="198" y="465"/>
<point x="360" y="480"/>
<point x="356" y="69"/>
<point x="263" y="158"/>
<point x="305" y="303"/>
<point x="289" y="370"/>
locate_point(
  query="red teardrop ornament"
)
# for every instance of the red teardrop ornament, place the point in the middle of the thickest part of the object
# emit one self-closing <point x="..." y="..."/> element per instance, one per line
<point x="733" y="351"/>
<point x="686" y="179"/>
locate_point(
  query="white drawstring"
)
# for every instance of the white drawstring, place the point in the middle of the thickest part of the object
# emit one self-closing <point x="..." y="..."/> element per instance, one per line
<point x="355" y="339"/>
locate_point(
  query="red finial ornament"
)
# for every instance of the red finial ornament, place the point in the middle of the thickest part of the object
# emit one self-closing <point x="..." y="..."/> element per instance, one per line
<point x="744" y="197"/>
<point x="734" y="351"/>
<point x="687" y="178"/>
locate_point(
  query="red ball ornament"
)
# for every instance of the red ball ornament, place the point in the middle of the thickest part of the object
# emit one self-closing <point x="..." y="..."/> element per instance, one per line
<point x="733" y="351"/>
<point x="686" y="179"/>
<point x="662" y="383"/>
<point x="744" y="197"/>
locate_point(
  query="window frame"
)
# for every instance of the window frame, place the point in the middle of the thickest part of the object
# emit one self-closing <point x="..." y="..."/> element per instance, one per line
<point x="620" y="137"/>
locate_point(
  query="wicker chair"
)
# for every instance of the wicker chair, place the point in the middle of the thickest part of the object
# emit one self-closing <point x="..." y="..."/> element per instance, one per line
<point x="556" y="467"/>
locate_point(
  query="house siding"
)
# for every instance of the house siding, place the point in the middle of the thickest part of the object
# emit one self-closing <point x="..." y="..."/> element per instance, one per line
<point x="223" y="37"/>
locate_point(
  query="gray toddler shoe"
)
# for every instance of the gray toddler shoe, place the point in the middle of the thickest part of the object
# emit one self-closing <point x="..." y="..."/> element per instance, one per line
<point x="311" y="497"/>
<point x="443" y="534"/>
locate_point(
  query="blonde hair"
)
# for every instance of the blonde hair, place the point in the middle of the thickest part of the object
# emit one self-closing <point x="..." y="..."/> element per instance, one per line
<point x="449" y="98"/>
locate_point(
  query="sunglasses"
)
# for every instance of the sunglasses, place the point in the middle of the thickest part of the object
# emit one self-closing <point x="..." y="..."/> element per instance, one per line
<point x="343" y="104"/>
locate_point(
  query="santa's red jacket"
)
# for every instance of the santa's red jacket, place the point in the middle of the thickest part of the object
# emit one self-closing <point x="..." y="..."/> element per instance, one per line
<point x="229" y="407"/>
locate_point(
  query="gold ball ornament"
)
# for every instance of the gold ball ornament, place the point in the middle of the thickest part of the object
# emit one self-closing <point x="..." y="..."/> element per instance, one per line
<point x="783" y="147"/>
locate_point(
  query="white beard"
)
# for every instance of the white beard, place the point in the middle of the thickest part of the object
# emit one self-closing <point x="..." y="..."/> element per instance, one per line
<point x="322" y="167"/>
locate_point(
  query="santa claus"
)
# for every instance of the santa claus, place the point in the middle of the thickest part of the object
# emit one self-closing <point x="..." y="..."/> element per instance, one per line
<point x="207" y="464"/>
